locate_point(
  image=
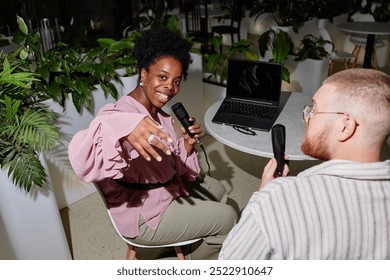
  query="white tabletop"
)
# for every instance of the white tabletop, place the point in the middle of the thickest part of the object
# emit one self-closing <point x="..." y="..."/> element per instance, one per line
<point x="289" y="115"/>
<point x="366" y="27"/>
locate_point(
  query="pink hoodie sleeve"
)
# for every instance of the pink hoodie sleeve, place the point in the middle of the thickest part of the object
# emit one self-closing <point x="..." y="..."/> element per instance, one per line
<point x="96" y="152"/>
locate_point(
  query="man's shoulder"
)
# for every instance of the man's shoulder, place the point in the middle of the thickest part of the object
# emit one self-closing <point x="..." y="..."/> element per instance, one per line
<point x="281" y="185"/>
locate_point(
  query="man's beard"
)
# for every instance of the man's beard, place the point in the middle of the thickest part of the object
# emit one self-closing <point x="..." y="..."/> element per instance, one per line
<point x="317" y="146"/>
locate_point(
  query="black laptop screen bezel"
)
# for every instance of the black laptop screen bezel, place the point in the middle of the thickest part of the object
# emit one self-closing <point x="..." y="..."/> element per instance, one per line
<point x="253" y="91"/>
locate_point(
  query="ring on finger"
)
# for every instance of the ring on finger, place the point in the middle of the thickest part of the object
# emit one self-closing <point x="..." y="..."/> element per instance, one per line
<point x="150" y="138"/>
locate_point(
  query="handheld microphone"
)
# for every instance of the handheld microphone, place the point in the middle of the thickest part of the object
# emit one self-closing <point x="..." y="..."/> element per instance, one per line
<point x="279" y="145"/>
<point x="182" y="115"/>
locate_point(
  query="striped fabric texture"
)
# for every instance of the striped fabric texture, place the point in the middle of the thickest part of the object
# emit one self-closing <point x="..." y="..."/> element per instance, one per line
<point x="335" y="210"/>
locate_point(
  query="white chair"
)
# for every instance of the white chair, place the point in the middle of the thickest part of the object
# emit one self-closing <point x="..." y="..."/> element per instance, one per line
<point x="334" y="55"/>
<point x="131" y="246"/>
<point x="360" y="40"/>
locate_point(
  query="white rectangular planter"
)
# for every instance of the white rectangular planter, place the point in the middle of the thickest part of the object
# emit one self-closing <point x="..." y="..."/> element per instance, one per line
<point x="30" y="223"/>
<point x="307" y="75"/>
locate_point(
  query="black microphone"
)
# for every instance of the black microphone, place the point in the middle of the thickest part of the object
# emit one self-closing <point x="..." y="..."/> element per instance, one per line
<point x="279" y="145"/>
<point x="182" y="115"/>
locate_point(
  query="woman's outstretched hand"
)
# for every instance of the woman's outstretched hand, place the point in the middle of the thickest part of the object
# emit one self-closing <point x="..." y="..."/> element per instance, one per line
<point x="147" y="136"/>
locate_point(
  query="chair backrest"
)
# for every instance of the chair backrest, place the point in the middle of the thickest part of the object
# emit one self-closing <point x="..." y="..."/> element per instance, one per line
<point x="237" y="13"/>
<point x="196" y="16"/>
<point x="326" y="36"/>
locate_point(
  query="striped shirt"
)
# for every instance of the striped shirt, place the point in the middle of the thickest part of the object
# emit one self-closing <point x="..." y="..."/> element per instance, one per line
<point x="336" y="210"/>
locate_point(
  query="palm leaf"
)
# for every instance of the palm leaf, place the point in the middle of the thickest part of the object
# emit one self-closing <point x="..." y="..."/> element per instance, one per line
<point x="26" y="170"/>
<point x="33" y="129"/>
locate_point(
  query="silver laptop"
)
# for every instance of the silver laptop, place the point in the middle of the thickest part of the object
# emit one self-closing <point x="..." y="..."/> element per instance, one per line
<point x="252" y="94"/>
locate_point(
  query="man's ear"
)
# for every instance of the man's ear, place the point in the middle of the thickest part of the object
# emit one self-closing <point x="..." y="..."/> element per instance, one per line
<point x="347" y="128"/>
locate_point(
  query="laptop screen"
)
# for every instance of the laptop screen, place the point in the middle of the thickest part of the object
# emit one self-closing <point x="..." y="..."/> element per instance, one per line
<point x="254" y="80"/>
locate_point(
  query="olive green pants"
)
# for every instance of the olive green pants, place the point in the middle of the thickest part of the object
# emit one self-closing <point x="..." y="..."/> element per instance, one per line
<point x="204" y="215"/>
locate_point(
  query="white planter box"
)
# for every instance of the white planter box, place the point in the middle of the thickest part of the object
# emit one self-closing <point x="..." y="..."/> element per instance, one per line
<point x="30" y="223"/>
<point x="307" y="75"/>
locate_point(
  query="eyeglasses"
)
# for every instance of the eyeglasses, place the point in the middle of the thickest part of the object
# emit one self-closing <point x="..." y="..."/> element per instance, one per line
<point x="309" y="112"/>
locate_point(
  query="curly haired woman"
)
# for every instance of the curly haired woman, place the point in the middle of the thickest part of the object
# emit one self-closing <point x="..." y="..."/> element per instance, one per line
<point x="148" y="175"/>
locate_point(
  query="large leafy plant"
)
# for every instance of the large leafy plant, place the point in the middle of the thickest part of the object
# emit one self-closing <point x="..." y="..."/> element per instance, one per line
<point x="312" y="47"/>
<point x="284" y="12"/>
<point x="327" y="9"/>
<point x="64" y="70"/>
<point x="29" y="76"/>
<point x="280" y="44"/>
<point x="27" y="127"/>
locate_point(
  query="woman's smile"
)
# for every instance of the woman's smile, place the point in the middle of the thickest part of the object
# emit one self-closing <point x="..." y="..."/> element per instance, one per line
<point x="162" y="96"/>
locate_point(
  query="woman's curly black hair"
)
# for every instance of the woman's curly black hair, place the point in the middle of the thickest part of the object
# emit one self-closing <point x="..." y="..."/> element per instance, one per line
<point x="160" y="42"/>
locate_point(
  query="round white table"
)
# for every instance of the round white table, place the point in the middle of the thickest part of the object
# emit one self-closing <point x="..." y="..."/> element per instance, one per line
<point x="370" y="29"/>
<point x="289" y="115"/>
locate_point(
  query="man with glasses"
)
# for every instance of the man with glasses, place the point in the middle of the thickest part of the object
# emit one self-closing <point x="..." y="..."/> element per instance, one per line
<point x="339" y="209"/>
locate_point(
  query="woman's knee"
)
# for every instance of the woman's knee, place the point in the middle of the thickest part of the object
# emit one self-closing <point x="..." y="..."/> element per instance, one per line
<point x="227" y="217"/>
<point x="210" y="189"/>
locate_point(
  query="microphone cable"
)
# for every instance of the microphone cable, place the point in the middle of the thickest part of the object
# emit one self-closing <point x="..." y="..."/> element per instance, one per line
<point x="205" y="155"/>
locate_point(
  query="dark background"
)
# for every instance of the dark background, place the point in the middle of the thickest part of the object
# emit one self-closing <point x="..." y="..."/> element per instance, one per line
<point x="110" y="17"/>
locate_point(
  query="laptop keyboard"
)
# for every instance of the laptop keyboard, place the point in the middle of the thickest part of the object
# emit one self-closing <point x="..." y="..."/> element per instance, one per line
<point x="249" y="109"/>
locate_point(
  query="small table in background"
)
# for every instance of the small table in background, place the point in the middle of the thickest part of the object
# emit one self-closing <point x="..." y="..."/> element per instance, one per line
<point x="370" y="28"/>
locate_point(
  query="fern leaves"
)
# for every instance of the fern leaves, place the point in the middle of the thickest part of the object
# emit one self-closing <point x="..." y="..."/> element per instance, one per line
<point x="23" y="136"/>
<point x="26" y="129"/>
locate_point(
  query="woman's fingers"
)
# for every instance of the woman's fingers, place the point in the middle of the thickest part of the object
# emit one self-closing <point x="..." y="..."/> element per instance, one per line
<point x="147" y="136"/>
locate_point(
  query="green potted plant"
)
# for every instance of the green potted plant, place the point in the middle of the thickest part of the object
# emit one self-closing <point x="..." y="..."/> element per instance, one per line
<point x="27" y="127"/>
<point x="284" y="12"/>
<point x="329" y="9"/>
<point x="58" y="74"/>
<point x="277" y="46"/>
<point x="312" y="47"/>
<point x="280" y="45"/>
<point x="217" y="62"/>
<point x="381" y="11"/>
